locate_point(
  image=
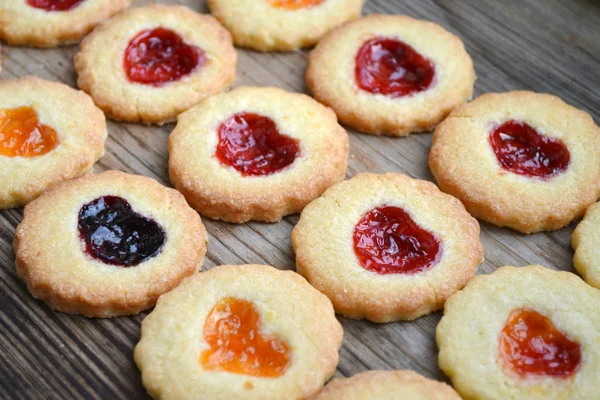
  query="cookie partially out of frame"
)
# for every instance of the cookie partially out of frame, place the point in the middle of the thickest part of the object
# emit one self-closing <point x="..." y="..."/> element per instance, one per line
<point x="586" y="240"/>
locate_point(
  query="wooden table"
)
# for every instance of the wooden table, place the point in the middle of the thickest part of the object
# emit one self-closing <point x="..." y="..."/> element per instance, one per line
<point x="548" y="46"/>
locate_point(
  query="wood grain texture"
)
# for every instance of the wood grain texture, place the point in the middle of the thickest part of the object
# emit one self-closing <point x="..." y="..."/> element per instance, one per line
<point x="542" y="45"/>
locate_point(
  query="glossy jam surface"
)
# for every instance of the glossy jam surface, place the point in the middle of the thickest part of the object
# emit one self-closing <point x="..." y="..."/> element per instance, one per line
<point x="22" y="134"/>
<point x="253" y="145"/>
<point x="392" y="68"/>
<point x="54" y="5"/>
<point x="237" y="344"/>
<point x="530" y="345"/>
<point x="158" y="56"/>
<point x="115" y="234"/>
<point x="388" y="241"/>
<point x="521" y="149"/>
<point x="295" y="4"/>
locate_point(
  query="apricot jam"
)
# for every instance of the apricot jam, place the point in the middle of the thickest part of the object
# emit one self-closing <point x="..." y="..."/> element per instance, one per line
<point x="22" y="134"/>
<point x="295" y="4"/>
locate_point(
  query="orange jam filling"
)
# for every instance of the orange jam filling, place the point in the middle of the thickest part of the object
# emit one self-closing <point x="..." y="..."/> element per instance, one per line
<point x="233" y="332"/>
<point x="22" y="134"/>
<point x="295" y="4"/>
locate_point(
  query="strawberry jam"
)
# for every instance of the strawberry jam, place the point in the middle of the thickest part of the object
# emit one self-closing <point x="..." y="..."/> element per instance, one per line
<point x="530" y="345"/>
<point x="158" y="56"/>
<point x="233" y="332"/>
<point x="55" y="5"/>
<point x="253" y="145"/>
<point x="22" y="134"/>
<point x="115" y="234"/>
<point x="521" y="149"/>
<point x="392" y="68"/>
<point x="388" y="241"/>
<point x="295" y="4"/>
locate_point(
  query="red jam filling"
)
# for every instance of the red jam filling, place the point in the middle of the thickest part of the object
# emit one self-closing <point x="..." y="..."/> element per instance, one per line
<point x="530" y="345"/>
<point x="115" y="234"/>
<point x="388" y="241"/>
<point x="158" y="56"/>
<point x="22" y="134"/>
<point x="392" y="68"/>
<point x="253" y="145"/>
<point x="519" y="148"/>
<point x="233" y="332"/>
<point x="295" y="4"/>
<point x="54" y="5"/>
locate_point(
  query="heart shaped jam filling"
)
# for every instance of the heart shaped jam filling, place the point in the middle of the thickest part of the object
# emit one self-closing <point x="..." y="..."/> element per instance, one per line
<point x="253" y="145"/>
<point x="521" y="149"/>
<point x="54" y="5"/>
<point x="388" y="241"/>
<point x="22" y="134"/>
<point x="530" y="345"/>
<point x="392" y="68"/>
<point x="115" y="234"/>
<point x="237" y="344"/>
<point x="295" y="4"/>
<point x="158" y="56"/>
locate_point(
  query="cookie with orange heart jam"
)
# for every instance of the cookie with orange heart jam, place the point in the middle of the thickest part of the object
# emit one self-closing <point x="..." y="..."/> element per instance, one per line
<point x="151" y="63"/>
<point x="522" y="333"/>
<point x="50" y="23"/>
<point x="391" y="75"/>
<point x="49" y="132"/>
<point x="523" y="160"/>
<point x="282" y="25"/>
<point x="256" y="154"/>
<point x="386" y="247"/>
<point x="239" y="332"/>
<point x="107" y="244"/>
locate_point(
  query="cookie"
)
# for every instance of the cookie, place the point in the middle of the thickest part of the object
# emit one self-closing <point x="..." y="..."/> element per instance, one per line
<point x="282" y="25"/>
<point x="386" y="247"/>
<point x="239" y="332"/>
<point x="50" y="23"/>
<point x="522" y="333"/>
<point x="149" y="64"/>
<point x="523" y="160"/>
<point x="585" y="243"/>
<point x="256" y="154"/>
<point x="387" y="385"/>
<point x="108" y="244"/>
<point x="49" y="132"/>
<point x="390" y="75"/>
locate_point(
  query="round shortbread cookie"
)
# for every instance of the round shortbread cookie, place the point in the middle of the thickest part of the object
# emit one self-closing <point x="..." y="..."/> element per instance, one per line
<point x="391" y="75"/>
<point x="49" y="133"/>
<point x="522" y="333"/>
<point x="149" y="64"/>
<point x="586" y="238"/>
<point x="256" y="154"/>
<point x="50" y="23"/>
<point x="386" y="247"/>
<point x="108" y="244"/>
<point x="523" y="160"/>
<point x="387" y="385"/>
<point x="239" y="332"/>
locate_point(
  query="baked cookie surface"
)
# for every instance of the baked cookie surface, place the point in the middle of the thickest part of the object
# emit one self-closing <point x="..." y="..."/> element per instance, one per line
<point x="282" y="25"/>
<point x="256" y="154"/>
<point x="49" y="132"/>
<point x="390" y="75"/>
<point x="278" y="337"/>
<point x="386" y="385"/>
<point x="523" y="160"/>
<point x="118" y="242"/>
<point x="149" y="64"/>
<point x="50" y="23"/>
<point x="386" y="247"/>
<point x="522" y="333"/>
<point x="585" y="243"/>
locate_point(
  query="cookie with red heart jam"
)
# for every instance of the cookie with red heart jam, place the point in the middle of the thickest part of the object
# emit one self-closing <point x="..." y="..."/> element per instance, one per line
<point x="386" y="247"/>
<point x="239" y="332"/>
<point x="522" y="333"/>
<point x="108" y="244"/>
<point x="523" y="160"/>
<point x="391" y="75"/>
<point x="149" y="64"/>
<point x="256" y="154"/>
<point x="585" y="243"/>
<point x="50" y="23"/>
